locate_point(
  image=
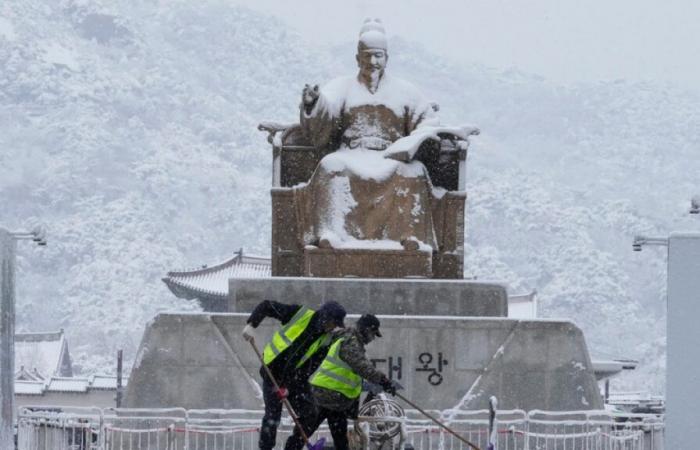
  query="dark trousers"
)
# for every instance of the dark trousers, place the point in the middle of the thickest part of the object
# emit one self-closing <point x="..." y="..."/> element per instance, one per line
<point x="337" y="423"/>
<point x="300" y="399"/>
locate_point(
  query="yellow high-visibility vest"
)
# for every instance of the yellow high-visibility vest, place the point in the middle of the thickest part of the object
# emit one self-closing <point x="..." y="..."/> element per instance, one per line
<point x="336" y="375"/>
<point x="284" y="337"/>
<point x="322" y="341"/>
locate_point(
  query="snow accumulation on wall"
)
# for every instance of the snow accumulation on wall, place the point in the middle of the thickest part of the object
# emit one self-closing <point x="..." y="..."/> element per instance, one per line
<point x="129" y="128"/>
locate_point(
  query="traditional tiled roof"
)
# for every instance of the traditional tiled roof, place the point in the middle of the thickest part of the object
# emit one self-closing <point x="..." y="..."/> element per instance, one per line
<point x="64" y="384"/>
<point x="42" y="355"/>
<point x="212" y="281"/>
<point x="26" y="387"/>
<point x="74" y="385"/>
<point x="104" y="382"/>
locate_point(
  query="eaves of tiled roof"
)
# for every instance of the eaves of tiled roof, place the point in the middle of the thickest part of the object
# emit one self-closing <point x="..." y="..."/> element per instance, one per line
<point x="76" y="385"/>
<point x="212" y="281"/>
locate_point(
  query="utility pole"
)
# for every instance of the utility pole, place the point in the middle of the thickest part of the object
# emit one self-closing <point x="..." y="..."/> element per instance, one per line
<point x="682" y="333"/>
<point x="8" y="248"/>
<point x="119" y="378"/>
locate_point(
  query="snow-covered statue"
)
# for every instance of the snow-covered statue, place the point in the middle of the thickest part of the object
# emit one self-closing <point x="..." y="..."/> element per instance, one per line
<point x="372" y="191"/>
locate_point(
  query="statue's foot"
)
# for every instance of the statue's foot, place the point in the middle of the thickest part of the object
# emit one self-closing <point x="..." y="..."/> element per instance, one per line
<point x="324" y="243"/>
<point x="409" y="245"/>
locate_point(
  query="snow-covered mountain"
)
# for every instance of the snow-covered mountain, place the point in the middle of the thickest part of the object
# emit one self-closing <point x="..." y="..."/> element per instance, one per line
<point x="130" y="129"/>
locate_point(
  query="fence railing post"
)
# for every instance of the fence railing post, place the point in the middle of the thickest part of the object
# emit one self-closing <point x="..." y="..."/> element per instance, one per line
<point x="402" y="435"/>
<point x="170" y="436"/>
<point x="527" y="431"/>
<point x="101" y="439"/>
<point x="493" y="424"/>
<point x="187" y="430"/>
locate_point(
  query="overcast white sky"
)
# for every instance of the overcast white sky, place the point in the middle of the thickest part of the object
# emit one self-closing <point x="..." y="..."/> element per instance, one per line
<point x="564" y="40"/>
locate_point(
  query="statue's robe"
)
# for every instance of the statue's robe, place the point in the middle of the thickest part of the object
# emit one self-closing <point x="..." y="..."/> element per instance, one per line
<point x="357" y="198"/>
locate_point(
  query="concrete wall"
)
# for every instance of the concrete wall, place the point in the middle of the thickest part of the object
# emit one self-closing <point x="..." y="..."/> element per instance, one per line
<point x="193" y="361"/>
<point x="378" y="296"/>
<point x="7" y="335"/>
<point x="201" y="361"/>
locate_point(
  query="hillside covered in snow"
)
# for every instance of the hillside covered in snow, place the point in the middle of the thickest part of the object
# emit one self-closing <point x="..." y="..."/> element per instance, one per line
<point x="129" y="128"/>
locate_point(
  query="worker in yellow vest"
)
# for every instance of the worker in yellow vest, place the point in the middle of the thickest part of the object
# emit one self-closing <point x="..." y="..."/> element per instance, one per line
<point x="337" y="383"/>
<point x="294" y="352"/>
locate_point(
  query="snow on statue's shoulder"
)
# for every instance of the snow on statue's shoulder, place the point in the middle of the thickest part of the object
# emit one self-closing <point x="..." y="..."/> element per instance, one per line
<point x="333" y="95"/>
<point x="406" y="89"/>
<point x="394" y="93"/>
<point x="347" y="92"/>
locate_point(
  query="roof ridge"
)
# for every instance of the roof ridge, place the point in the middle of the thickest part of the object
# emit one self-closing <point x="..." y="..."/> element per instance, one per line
<point x="204" y="269"/>
<point x="60" y="378"/>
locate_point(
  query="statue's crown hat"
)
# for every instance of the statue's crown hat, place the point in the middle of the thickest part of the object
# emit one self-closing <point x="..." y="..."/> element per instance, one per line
<point x="372" y="34"/>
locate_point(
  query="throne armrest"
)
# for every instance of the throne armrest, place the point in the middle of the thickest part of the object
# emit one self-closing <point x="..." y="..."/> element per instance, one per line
<point x="288" y="136"/>
<point x="273" y="128"/>
<point x="446" y="159"/>
<point x="294" y="158"/>
<point x="453" y="146"/>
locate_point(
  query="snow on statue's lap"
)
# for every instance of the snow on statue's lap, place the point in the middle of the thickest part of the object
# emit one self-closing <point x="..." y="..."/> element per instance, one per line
<point x="369" y="164"/>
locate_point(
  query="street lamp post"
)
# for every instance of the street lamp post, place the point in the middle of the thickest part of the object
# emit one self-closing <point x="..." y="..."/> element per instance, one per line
<point x="682" y="333"/>
<point x="695" y="205"/>
<point x="8" y="246"/>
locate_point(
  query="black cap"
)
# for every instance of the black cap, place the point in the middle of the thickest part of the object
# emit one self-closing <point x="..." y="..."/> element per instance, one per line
<point x="332" y="311"/>
<point x="369" y="321"/>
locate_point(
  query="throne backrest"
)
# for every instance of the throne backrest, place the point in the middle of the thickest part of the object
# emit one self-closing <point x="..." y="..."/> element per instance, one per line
<point x="295" y="158"/>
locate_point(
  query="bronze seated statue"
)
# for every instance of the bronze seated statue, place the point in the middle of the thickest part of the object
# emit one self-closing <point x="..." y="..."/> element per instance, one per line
<point x="368" y="184"/>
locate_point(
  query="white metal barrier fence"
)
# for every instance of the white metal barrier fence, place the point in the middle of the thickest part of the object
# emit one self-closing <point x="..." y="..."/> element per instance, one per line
<point x="179" y="429"/>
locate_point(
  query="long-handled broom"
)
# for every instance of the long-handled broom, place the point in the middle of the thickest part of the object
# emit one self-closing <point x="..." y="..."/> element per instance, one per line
<point x="445" y="427"/>
<point x="321" y="442"/>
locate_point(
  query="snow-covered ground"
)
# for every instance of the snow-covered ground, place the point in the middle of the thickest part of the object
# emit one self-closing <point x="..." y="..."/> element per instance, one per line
<point x="130" y="129"/>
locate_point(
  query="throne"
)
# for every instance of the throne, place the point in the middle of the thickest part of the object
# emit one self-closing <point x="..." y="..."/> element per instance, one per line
<point x="294" y="160"/>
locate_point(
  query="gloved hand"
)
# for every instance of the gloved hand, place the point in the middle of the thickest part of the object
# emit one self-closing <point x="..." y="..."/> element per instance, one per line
<point x="248" y="332"/>
<point x="388" y="386"/>
<point x="372" y="388"/>
<point x="282" y="393"/>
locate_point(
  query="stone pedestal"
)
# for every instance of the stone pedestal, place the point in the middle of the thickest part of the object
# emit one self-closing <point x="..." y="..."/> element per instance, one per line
<point x="376" y="296"/>
<point x="365" y="263"/>
<point x="448" y="342"/>
<point x="201" y="361"/>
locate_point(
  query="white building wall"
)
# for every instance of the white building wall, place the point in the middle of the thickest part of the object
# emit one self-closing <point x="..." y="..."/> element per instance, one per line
<point x="683" y="338"/>
<point x="92" y="398"/>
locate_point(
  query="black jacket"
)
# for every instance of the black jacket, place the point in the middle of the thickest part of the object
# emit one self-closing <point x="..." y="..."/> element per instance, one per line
<point x="283" y="368"/>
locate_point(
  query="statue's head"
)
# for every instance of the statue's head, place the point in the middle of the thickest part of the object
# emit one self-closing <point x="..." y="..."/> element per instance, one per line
<point x="372" y="51"/>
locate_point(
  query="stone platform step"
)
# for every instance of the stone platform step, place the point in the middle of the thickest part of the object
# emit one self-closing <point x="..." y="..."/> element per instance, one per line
<point x="376" y="296"/>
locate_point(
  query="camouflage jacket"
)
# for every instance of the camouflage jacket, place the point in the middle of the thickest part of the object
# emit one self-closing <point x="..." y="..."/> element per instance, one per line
<point x="352" y="351"/>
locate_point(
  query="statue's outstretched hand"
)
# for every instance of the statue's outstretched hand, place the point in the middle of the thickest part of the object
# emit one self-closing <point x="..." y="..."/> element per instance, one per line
<point x="309" y="97"/>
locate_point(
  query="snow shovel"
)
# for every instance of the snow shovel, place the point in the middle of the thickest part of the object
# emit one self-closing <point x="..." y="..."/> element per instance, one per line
<point x="442" y="425"/>
<point x="321" y="442"/>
